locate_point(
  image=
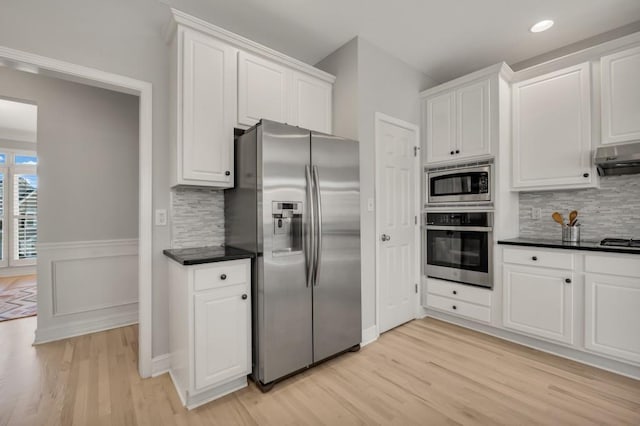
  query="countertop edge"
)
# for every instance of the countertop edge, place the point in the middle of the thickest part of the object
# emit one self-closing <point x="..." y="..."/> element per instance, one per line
<point x="543" y="244"/>
<point x="204" y="260"/>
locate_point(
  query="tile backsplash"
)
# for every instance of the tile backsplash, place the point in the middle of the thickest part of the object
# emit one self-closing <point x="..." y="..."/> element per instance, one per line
<point x="613" y="210"/>
<point x="197" y="217"/>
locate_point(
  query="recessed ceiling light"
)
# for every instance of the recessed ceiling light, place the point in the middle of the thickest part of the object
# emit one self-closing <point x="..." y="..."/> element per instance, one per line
<point x="542" y="26"/>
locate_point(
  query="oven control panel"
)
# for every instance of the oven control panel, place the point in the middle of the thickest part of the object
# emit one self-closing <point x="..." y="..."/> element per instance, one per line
<point x="460" y="219"/>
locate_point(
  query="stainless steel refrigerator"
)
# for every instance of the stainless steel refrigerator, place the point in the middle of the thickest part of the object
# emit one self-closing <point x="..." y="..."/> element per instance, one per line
<point x="296" y="203"/>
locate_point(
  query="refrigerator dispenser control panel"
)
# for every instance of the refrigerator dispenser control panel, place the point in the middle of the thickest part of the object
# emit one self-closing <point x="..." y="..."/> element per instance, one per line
<point x="287" y="227"/>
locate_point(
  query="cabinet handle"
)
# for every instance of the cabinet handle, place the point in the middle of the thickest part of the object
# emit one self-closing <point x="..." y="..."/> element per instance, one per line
<point x="223" y="277"/>
<point x="585" y="175"/>
<point x="534" y="258"/>
<point x="457" y="151"/>
<point x="452" y="152"/>
<point x="567" y="280"/>
<point x="227" y="173"/>
<point x="455" y="292"/>
<point x="244" y="297"/>
<point x="454" y="307"/>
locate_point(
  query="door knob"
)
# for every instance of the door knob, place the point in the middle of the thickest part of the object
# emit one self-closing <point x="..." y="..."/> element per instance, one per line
<point x="385" y="237"/>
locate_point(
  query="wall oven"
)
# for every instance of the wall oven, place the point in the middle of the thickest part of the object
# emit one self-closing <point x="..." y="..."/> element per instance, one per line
<point x="459" y="185"/>
<point x="459" y="247"/>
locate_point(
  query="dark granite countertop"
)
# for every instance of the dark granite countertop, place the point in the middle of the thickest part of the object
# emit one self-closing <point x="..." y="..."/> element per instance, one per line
<point x="199" y="255"/>
<point x="559" y="244"/>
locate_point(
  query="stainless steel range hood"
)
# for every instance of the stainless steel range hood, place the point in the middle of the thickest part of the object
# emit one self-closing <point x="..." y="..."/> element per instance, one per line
<point x="618" y="159"/>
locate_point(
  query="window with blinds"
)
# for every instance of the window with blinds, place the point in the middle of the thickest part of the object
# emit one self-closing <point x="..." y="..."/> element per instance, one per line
<point x="18" y="208"/>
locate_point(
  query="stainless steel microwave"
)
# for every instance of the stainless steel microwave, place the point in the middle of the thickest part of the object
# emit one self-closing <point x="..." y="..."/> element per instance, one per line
<point x="461" y="185"/>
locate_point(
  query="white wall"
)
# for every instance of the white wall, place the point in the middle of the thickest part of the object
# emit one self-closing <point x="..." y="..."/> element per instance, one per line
<point x="119" y="36"/>
<point x="88" y="154"/>
<point x="384" y="84"/>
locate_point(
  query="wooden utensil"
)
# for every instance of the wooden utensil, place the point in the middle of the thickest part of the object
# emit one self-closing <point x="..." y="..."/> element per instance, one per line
<point x="573" y="216"/>
<point x="558" y="218"/>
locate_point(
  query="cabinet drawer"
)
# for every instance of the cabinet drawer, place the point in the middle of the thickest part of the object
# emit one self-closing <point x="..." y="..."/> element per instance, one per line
<point x="627" y="266"/>
<point x="532" y="257"/>
<point x="457" y="307"/>
<point x="460" y="292"/>
<point x="221" y="275"/>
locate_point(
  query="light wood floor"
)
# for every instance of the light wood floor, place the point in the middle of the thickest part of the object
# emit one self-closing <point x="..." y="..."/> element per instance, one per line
<point x="426" y="372"/>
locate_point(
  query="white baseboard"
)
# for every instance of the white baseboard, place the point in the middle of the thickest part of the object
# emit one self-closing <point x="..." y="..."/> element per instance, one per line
<point x="72" y="329"/>
<point x="369" y="335"/>
<point x="85" y="287"/>
<point x="160" y="364"/>
<point x="543" y="346"/>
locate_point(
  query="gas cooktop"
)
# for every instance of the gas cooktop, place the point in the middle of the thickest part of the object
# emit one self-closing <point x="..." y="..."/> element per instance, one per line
<point x="620" y="242"/>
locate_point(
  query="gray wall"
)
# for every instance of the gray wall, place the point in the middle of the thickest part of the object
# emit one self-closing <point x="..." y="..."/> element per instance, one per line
<point x="88" y="154"/>
<point x="384" y="84"/>
<point x="613" y="210"/>
<point x="119" y="36"/>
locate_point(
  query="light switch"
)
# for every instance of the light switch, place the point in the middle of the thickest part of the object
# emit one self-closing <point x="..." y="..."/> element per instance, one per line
<point x="370" y="205"/>
<point x="161" y="217"/>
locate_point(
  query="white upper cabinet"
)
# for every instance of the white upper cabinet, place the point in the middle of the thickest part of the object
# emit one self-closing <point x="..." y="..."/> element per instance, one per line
<point x="620" y="74"/>
<point x="205" y="110"/>
<point x="457" y="117"/>
<point x="440" y="127"/>
<point x="552" y="131"/>
<point x="263" y="90"/>
<point x="473" y="119"/>
<point x="311" y="103"/>
<point x="275" y="92"/>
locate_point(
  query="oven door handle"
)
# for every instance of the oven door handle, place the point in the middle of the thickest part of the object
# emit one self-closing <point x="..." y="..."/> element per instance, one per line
<point x="461" y="228"/>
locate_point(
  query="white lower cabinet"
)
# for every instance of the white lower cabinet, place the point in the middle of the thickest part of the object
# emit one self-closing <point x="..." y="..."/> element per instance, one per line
<point x="459" y="299"/>
<point x="210" y="329"/>
<point x="539" y="301"/>
<point x="612" y="316"/>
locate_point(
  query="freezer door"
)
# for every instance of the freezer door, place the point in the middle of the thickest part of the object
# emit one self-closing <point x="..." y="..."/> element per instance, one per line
<point x="283" y="294"/>
<point x="336" y="290"/>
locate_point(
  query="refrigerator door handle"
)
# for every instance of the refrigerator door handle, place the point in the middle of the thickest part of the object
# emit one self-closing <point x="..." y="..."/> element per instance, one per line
<point x="318" y="236"/>
<point x="309" y="231"/>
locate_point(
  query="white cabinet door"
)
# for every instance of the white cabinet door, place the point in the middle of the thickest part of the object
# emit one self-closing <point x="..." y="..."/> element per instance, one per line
<point x="539" y="302"/>
<point x="612" y="315"/>
<point x="221" y="324"/>
<point x="473" y="120"/>
<point x="440" y="126"/>
<point x="263" y="90"/>
<point x="620" y="96"/>
<point x="552" y="130"/>
<point x="311" y="107"/>
<point x="205" y="151"/>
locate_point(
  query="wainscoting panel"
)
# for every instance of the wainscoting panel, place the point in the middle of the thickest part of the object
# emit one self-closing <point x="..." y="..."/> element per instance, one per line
<point x="86" y="286"/>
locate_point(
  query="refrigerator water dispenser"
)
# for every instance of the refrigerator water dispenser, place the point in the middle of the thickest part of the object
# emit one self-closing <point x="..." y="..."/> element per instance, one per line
<point x="287" y="227"/>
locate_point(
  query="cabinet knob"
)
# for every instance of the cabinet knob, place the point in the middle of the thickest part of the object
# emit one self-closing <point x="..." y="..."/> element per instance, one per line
<point x="223" y="277"/>
<point x="457" y="151"/>
<point x="567" y="280"/>
<point x="452" y="152"/>
<point x="227" y="173"/>
<point x="454" y="307"/>
<point x="585" y="175"/>
<point x="455" y="292"/>
<point x="244" y="297"/>
<point x="534" y="258"/>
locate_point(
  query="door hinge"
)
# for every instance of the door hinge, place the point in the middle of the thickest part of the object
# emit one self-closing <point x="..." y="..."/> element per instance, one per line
<point x="415" y="151"/>
<point x="416" y="288"/>
<point x="415" y="220"/>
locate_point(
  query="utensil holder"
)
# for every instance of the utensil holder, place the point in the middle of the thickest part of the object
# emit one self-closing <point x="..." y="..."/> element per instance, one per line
<point x="571" y="234"/>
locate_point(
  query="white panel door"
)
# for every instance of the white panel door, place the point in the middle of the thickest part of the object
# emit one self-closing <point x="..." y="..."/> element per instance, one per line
<point x="221" y="324"/>
<point x="311" y="107"/>
<point x="208" y="102"/>
<point x="263" y="90"/>
<point x="612" y="315"/>
<point x="440" y="127"/>
<point x="552" y="130"/>
<point x="539" y="302"/>
<point x="620" y="96"/>
<point x="398" y="231"/>
<point x="473" y="124"/>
